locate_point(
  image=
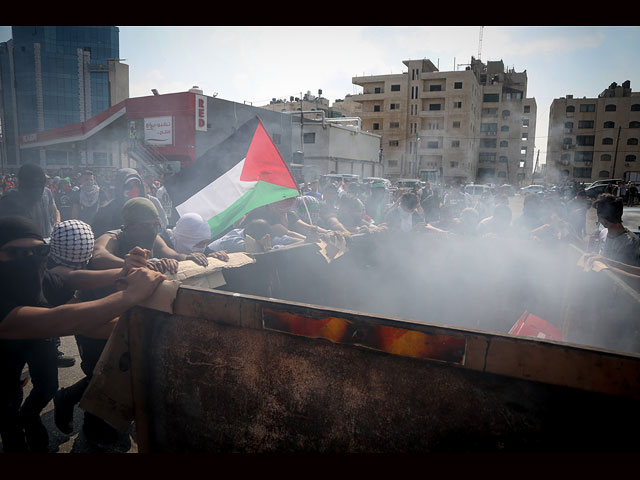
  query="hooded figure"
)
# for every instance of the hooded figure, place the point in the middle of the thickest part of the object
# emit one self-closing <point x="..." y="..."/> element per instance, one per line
<point x="22" y="272"/>
<point x="32" y="199"/>
<point x="190" y="230"/>
<point x="128" y="184"/>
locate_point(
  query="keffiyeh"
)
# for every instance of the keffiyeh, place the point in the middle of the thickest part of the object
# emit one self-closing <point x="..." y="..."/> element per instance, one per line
<point x="71" y="243"/>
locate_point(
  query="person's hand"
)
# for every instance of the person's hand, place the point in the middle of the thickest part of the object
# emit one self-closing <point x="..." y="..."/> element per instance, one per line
<point x="199" y="258"/>
<point x="136" y="258"/>
<point x="313" y="235"/>
<point x="164" y="265"/>
<point x="221" y="255"/>
<point x="141" y="283"/>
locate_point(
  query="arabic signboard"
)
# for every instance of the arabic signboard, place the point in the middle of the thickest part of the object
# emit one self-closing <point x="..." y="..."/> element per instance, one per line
<point x="201" y="113"/>
<point x="158" y="131"/>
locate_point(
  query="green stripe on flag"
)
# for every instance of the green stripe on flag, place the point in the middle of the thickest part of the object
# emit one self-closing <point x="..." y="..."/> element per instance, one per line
<point x="262" y="194"/>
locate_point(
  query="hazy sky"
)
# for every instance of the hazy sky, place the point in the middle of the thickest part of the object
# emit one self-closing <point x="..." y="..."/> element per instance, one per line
<point x="256" y="64"/>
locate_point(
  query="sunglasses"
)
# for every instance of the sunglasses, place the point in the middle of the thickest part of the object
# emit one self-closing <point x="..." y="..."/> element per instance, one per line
<point x="17" y="253"/>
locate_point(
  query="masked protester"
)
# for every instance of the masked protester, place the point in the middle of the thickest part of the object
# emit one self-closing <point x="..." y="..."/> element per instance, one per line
<point x="191" y="234"/>
<point x="128" y="185"/>
<point x="32" y="199"/>
<point x="86" y="201"/>
<point x="27" y="324"/>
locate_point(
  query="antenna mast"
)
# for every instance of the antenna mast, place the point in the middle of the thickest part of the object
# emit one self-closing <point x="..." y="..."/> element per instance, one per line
<point x="480" y="43"/>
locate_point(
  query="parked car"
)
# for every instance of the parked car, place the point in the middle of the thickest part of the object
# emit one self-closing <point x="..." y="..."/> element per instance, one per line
<point x="594" y="190"/>
<point x="532" y="189"/>
<point x="409" y="183"/>
<point x="476" y="191"/>
<point x="507" y="189"/>
<point x="387" y="183"/>
<point x="339" y="177"/>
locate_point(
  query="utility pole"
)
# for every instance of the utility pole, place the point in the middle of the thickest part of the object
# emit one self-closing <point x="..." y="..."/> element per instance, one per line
<point x="615" y="155"/>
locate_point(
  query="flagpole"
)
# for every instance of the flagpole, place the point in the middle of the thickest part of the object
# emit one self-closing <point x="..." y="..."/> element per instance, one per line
<point x="307" y="209"/>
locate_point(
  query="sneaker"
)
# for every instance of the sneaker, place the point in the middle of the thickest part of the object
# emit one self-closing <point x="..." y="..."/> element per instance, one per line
<point x="98" y="431"/>
<point x="36" y="435"/>
<point x="62" y="413"/>
<point x="65" y="361"/>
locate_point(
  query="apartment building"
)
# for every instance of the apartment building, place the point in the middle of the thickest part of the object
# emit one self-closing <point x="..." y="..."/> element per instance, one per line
<point x="458" y="126"/>
<point x="595" y="138"/>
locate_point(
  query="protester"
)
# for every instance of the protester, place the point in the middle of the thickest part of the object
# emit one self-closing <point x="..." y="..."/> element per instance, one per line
<point x="255" y="238"/>
<point x="86" y="201"/>
<point x="64" y="199"/>
<point x="499" y="224"/>
<point x="617" y="242"/>
<point x="32" y="199"/>
<point x="24" y="314"/>
<point x="192" y="235"/>
<point x="128" y="184"/>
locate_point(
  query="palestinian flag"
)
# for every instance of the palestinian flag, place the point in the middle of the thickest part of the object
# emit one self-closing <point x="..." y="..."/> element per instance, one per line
<point x="259" y="178"/>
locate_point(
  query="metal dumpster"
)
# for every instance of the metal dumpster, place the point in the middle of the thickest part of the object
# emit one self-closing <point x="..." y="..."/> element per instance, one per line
<point x="259" y="365"/>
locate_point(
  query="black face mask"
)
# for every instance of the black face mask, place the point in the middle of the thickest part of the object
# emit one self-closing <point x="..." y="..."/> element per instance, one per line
<point x="21" y="280"/>
<point x="143" y="238"/>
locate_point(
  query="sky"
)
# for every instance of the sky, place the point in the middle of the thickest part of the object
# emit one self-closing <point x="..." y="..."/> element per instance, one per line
<point x="257" y="63"/>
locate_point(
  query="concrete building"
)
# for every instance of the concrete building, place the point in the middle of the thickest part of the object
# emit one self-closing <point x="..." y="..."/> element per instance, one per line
<point x="595" y="138"/>
<point x="156" y="134"/>
<point x="52" y="76"/>
<point x="304" y="103"/>
<point x="459" y="126"/>
<point x="333" y="146"/>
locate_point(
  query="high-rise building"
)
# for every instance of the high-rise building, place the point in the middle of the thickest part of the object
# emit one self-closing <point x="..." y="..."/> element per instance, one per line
<point x="595" y="138"/>
<point x="465" y="125"/>
<point x="52" y="76"/>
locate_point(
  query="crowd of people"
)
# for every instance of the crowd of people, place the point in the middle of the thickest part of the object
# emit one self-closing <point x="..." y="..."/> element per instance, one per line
<point x="74" y="255"/>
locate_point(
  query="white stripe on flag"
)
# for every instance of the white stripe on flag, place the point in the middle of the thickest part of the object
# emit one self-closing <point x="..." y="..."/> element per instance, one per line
<point x="218" y="195"/>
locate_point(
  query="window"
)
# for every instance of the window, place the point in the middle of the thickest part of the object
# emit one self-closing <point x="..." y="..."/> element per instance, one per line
<point x="395" y="88"/>
<point x="603" y="174"/>
<point x="491" y="97"/>
<point x="635" y="107"/>
<point x="376" y="126"/>
<point x="607" y="141"/>
<point x="394" y="106"/>
<point x="489" y="112"/>
<point x="579" y="172"/>
<point x="609" y="125"/>
<point x="634" y="124"/>
<point x="456" y="124"/>
<point x="435" y="88"/>
<point x="527" y="109"/>
<point x="457" y="104"/>
<point x="503" y="159"/>
<point x="571" y="109"/>
<point x="485" y="157"/>
<point x="504" y="144"/>
<point x="585" y="140"/>
<point x="605" y="158"/>
<point x="504" y="128"/>
<point x="454" y="164"/>
<point x="309" y="137"/>
<point x="394" y="143"/>
<point x="488" y="143"/>
<point x="568" y="125"/>
<point x="394" y="125"/>
<point x="584" y="157"/>
<point x="525" y="122"/>
<point x="488" y="127"/>
<point x="376" y="108"/>
<point x="434" y="106"/>
<point x="377" y="90"/>
<point x="585" y="124"/>
<point x="523" y="150"/>
<point x="630" y="158"/>
<point x="610" y="108"/>
<point x="632" y="141"/>
<point x="505" y="113"/>
<point x="458" y="86"/>
<point x="565" y="158"/>
<point x="433" y="144"/>
<point x="587" y="107"/>
<point x="455" y="143"/>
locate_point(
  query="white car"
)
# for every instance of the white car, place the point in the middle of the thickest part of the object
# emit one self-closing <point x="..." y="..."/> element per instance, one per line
<point x="532" y="189"/>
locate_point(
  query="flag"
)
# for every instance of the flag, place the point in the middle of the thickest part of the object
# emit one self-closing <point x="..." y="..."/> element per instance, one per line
<point x="258" y="178"/>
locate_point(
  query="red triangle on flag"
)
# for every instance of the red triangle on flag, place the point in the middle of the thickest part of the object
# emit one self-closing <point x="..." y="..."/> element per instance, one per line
<point x="263" y="162"/>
